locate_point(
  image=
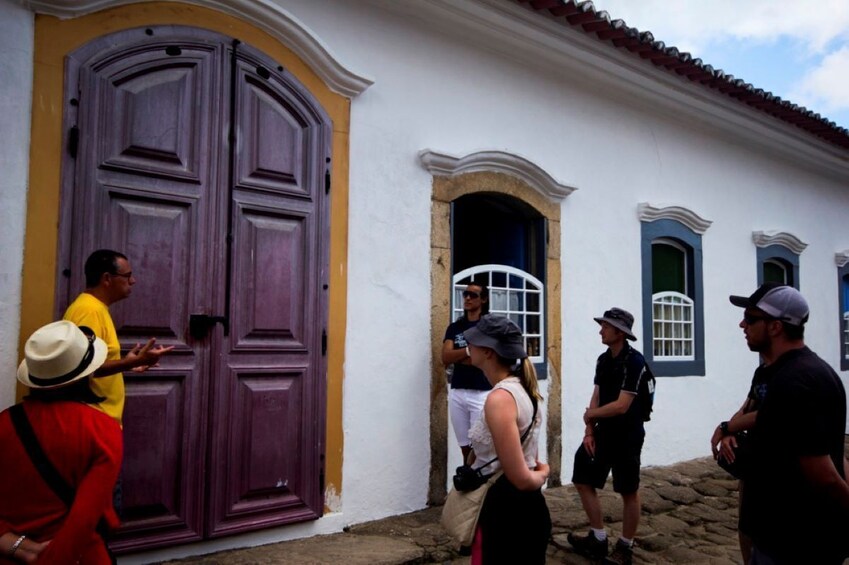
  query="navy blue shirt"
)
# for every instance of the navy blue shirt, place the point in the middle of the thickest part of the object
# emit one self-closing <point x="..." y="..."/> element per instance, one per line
<point x="615" y="374"/>
<point x="465" y="376"/>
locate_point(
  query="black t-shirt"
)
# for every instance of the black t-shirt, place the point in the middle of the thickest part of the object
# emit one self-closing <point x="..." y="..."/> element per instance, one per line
<point x="803" y="414"/>
<point x="465" y="376"/>
<point x="757" y="392"/>
<point x="613" y="375"/>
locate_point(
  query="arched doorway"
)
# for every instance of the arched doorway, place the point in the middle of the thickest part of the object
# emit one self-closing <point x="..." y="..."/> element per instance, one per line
<point x="528" y="202"/>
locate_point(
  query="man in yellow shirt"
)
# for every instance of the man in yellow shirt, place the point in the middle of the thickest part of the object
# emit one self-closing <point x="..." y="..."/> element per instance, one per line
<point x="108" y="280"/>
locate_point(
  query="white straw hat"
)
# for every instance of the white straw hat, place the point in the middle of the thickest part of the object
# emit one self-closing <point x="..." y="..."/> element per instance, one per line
<point x="60" y="353"/>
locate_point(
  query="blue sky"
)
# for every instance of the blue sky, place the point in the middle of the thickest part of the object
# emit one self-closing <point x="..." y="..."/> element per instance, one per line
<point x="798" y="50"/>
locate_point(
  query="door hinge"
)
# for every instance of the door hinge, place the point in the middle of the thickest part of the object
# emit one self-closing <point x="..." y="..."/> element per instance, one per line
<point x="73" y="141"/>
<point x="323" y="342"/>
<point x="327" y="181"/>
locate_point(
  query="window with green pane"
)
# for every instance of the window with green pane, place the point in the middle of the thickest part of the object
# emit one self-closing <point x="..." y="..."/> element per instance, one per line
<point x="776" y="271"/>
<point x="669" y="267"/>
<point x="673" y="310"/>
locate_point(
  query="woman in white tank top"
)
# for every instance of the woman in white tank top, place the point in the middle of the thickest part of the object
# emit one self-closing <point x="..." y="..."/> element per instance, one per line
<point x="514" y="524"/>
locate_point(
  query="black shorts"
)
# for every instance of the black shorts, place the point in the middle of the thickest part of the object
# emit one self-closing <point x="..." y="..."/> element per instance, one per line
<point x="622" y="455"/>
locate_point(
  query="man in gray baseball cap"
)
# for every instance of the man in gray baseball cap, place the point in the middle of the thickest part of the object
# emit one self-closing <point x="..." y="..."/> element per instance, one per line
<point x="795" y="506"/>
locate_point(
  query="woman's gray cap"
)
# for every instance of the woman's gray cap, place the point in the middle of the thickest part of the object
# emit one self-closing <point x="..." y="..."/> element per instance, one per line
<point x="620" y="319"/>
<point x="498" y="333"/>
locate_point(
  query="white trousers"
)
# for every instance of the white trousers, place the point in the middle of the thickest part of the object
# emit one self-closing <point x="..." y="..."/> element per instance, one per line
<point x="464" y="407"/>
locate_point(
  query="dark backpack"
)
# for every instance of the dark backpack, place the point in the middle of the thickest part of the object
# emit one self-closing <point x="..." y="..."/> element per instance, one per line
<point x="645" y="389"/>
<point x="645" y="393"/>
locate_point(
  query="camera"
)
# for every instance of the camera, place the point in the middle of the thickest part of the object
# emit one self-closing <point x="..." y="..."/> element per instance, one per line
<point x="467" y="479"/>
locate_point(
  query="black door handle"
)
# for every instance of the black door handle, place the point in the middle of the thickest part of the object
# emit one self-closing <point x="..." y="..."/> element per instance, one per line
<point x="199" y="324"/>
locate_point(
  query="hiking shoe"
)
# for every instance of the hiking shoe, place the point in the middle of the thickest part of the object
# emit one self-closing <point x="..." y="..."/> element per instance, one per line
<point x="622" y="555"/>
<point x="588" y="545"/>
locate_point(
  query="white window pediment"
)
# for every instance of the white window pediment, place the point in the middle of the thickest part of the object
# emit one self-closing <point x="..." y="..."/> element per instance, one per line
<point x="442" y="164"/>
<point x="782" y="238"/>
<point x="649" y="213"/>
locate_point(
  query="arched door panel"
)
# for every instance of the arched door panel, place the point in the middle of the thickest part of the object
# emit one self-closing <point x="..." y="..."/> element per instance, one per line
<point x="228" y="222"/>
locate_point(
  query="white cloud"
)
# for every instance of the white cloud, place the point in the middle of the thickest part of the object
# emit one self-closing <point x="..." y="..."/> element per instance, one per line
<point x="691" y="24"/>
<point x="826" y="86"/>
<point x="816" y="32"/>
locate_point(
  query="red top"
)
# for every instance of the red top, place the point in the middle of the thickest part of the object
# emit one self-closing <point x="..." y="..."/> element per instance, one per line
<point x="85" y="445"/>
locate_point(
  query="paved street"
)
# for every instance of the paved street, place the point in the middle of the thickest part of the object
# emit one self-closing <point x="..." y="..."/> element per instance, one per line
<point x="689" y="516"/>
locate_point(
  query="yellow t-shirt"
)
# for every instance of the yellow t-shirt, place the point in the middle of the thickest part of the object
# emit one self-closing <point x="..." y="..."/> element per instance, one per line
<point x="87" y="310"/>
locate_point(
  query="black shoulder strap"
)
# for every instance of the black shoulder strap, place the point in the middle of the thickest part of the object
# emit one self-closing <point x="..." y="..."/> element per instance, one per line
<point x="533" y="418"/>
<point x="524" y="435"/>
<point x="45" y="468"/>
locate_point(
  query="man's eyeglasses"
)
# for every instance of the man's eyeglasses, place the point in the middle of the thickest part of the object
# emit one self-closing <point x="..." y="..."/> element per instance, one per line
<point x="751" y="320"/>
<point x="127" y="276"/>
<point x="471" y="294"/>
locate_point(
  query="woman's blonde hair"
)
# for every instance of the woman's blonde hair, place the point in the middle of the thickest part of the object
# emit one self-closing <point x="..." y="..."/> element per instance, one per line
<point x="527" y="375"/>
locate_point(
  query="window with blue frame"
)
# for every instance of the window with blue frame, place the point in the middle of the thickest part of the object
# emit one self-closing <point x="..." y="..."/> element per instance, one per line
<point x="673" y="306"/>
<point x="843" y="282"/>
<point x="779" y="264"/>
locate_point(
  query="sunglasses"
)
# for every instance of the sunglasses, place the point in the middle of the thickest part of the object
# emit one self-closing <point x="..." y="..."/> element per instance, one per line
<point x="751" y="320"/>
<point x="471" y="294"/>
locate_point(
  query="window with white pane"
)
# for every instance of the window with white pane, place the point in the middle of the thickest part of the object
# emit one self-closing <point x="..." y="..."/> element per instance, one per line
<point x="843" y="285"/>
<point x="673" y="327"/>
<point x="673" y="305"/>
<point x="512" y="293"/>
<point x="846" y="335"/>
<point x="672" y="308"/>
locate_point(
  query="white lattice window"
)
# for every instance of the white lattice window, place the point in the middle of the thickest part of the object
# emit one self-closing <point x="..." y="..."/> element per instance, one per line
<point x="672" y="318"/>
<point x="846" y="335"/>
<point x="512" y="293"/>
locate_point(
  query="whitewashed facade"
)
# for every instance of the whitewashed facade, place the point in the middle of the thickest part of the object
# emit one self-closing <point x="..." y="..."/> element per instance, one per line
<point x="460" y="77"/>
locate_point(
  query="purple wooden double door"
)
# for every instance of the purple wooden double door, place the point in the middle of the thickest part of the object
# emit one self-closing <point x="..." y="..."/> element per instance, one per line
<point x="207" y="164"/>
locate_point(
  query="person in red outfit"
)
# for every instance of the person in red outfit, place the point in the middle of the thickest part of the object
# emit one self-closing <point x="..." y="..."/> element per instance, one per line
<point x="83" y="444"/>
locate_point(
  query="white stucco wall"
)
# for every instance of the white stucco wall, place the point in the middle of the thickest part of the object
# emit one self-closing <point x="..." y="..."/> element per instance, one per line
<point x="16" y="29"/>
<point x="434" y="90"/>
<point x="452" y="91"/>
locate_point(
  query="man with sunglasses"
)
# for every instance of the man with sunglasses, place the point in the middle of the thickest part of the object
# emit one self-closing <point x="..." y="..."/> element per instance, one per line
<point x="613" y="439"/>
<point x="724" y="441"/>
<point x="795" y="504"/>
<point x="469" y="386"/>
<point x="109" y="279"/>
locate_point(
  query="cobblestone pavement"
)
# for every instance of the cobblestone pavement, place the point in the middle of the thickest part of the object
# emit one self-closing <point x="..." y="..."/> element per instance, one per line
<point x="689" y="516"/>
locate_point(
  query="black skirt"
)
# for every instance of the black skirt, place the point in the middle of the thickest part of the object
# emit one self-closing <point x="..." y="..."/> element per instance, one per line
<point x="515" y="525"/>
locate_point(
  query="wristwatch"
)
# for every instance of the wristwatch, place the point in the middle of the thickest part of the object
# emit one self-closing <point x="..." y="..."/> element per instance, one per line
<point x="723" y="427"/>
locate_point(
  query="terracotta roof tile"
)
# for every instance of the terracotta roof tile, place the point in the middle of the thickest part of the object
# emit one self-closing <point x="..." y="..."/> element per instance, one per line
<point x="584" y="16"/>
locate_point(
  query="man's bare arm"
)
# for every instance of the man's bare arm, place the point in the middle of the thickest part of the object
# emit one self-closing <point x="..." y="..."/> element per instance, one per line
<point x="139" y="356"/>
